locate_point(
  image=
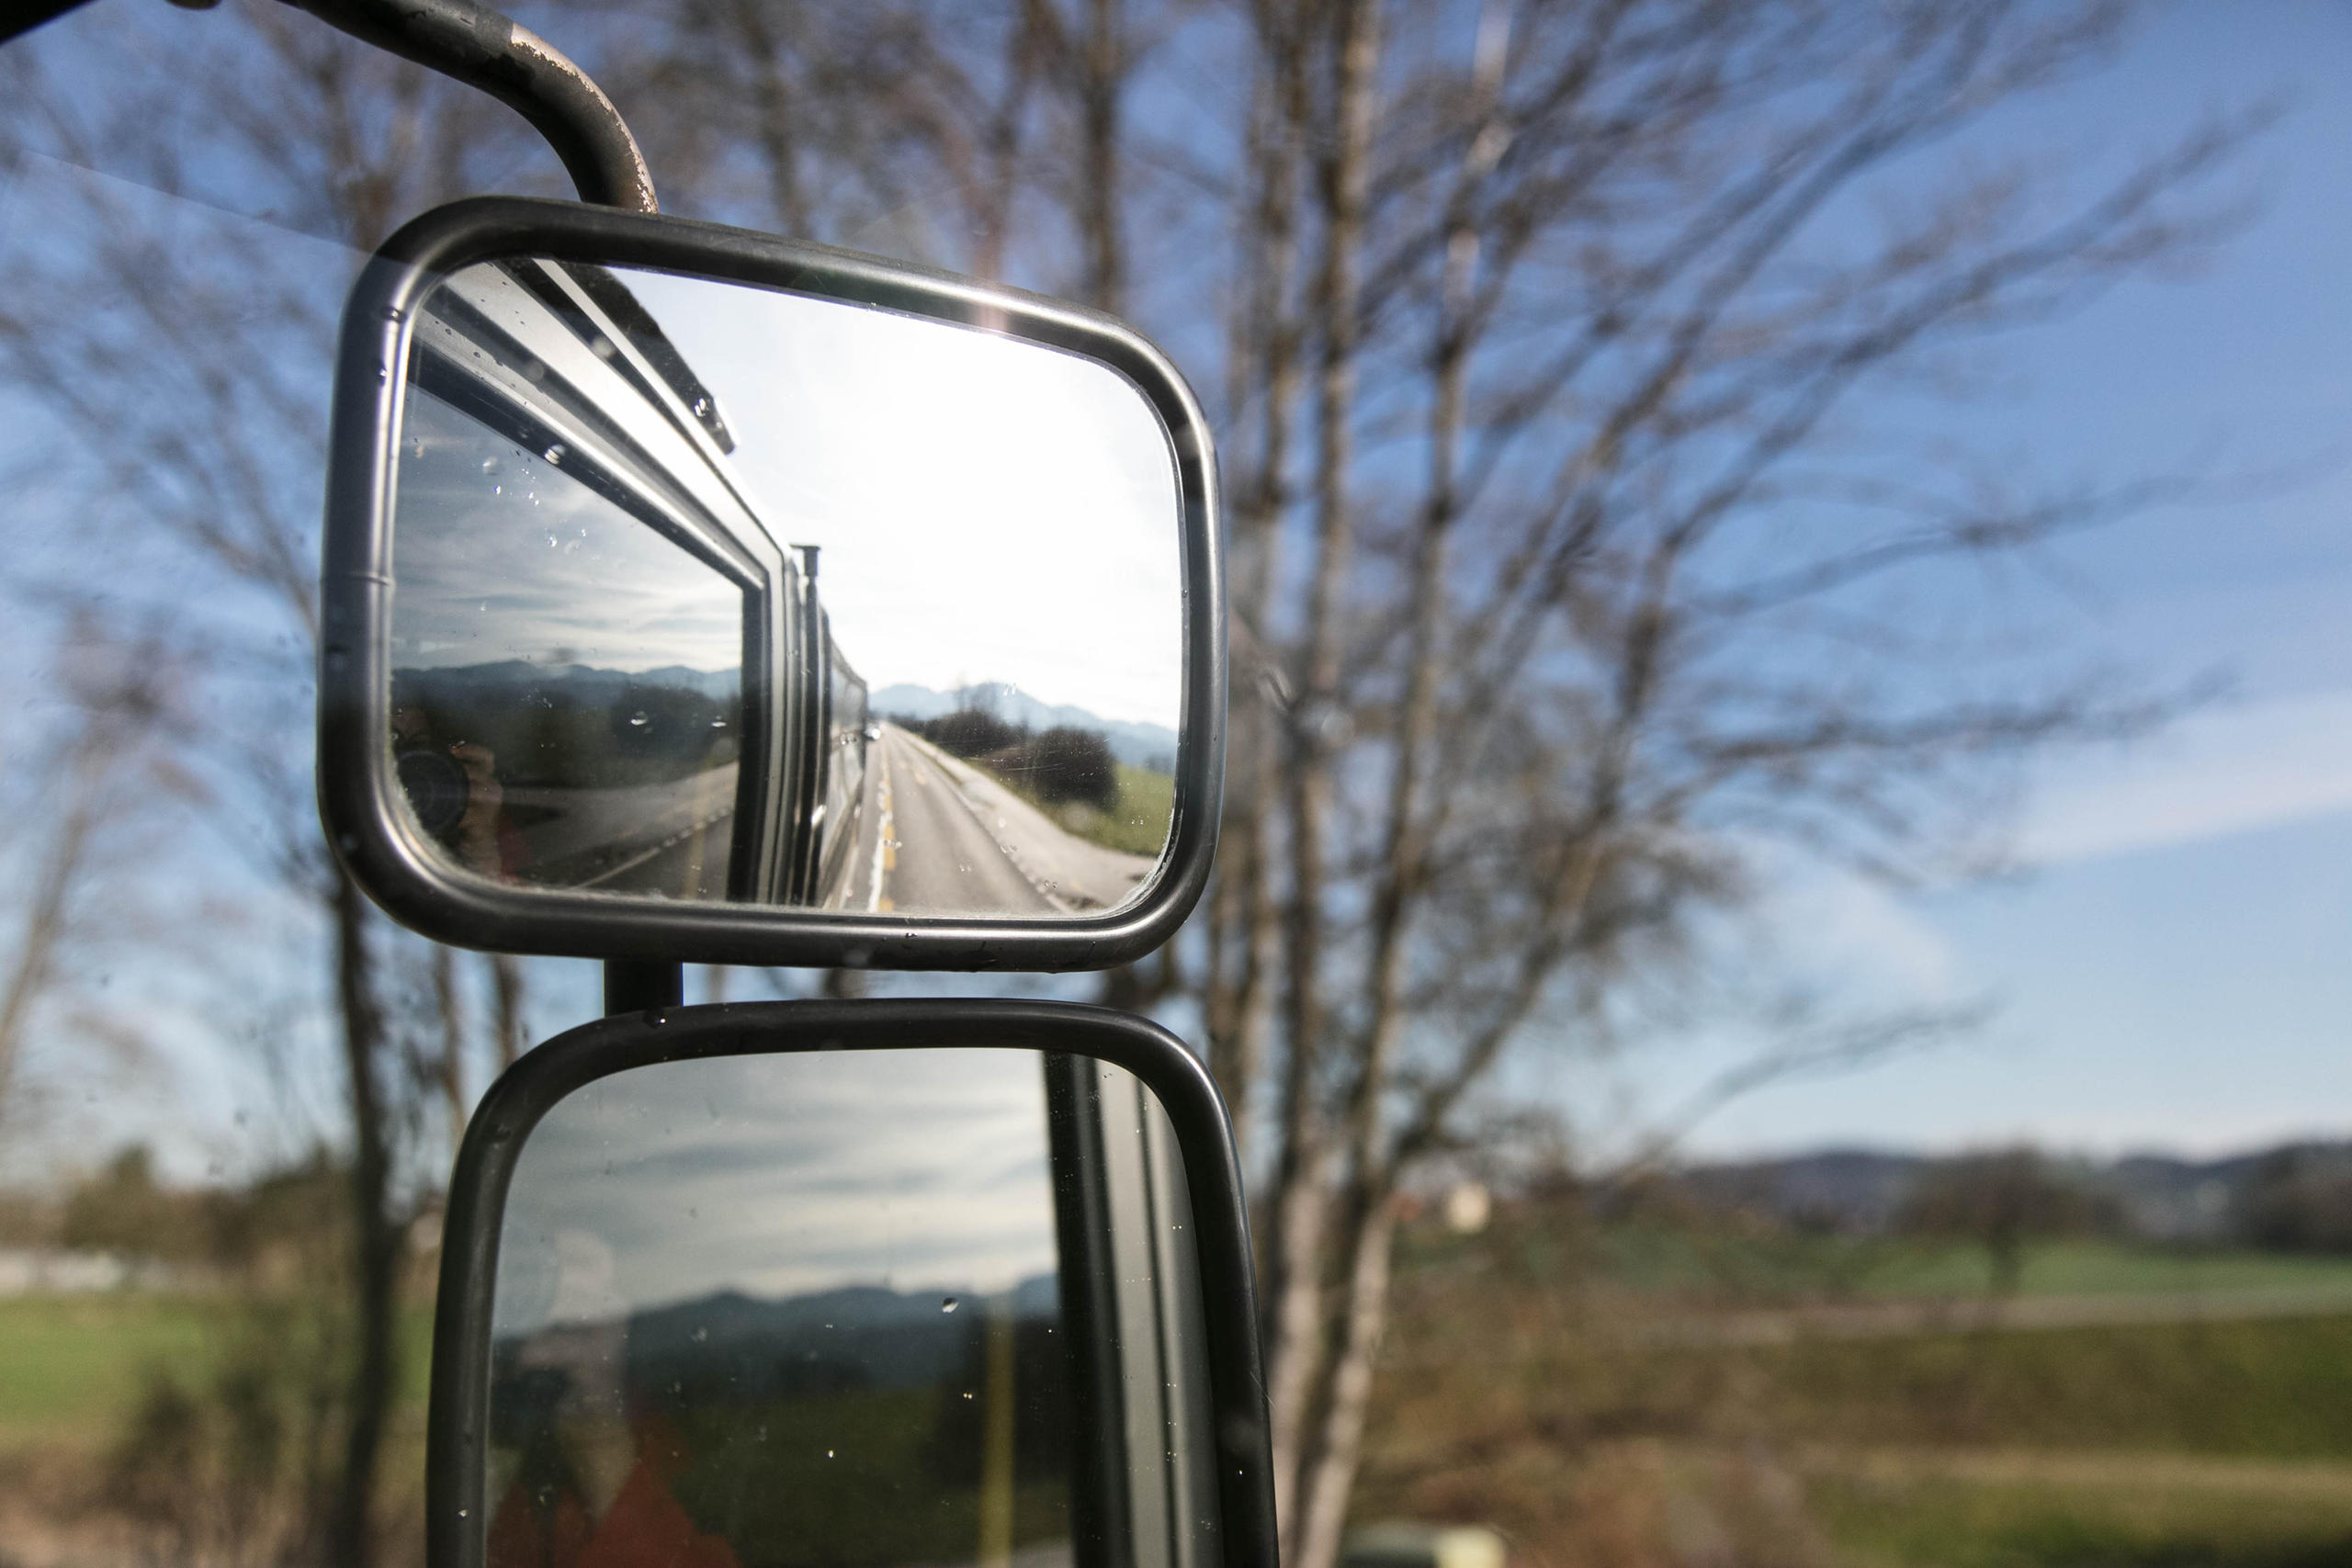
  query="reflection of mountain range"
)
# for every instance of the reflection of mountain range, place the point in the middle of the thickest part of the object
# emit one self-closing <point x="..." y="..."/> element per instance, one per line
<point x="589" y="683"/>
<point x="1138" y="745"/>
<point x="856" y="1337"/>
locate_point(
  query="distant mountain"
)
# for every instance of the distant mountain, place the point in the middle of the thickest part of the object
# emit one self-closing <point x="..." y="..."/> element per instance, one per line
<point x="2162" y="1197"/>
<point x="1845" y="1190"/>
<point x="860" y="1337"/>
<point x="1138" y="745"/>
<point x="581" y="680"/>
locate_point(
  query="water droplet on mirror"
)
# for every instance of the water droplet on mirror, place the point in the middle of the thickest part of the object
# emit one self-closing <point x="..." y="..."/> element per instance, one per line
<point x="638" y="719"/>
<point x="555" y="452"/>
<point x="948" y="1305"/>
<point x="702" y="407"/>
<point x="719" y="723"/>
<point x="701" y="1334"/>
<point x="829" y="1453"/>
<point x="490" y="464"/>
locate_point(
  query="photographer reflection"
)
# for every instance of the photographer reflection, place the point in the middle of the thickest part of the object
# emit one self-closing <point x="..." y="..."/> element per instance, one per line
<point x="455" y="792"/>
<point x="545" y="1518"/>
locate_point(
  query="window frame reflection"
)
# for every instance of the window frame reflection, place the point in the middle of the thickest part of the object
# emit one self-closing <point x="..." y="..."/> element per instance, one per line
<point x="552" y="356"/>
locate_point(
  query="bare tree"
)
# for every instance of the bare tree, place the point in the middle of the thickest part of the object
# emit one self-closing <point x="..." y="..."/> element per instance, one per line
<point x="104" y="769"/>
<point x="1532" y="708"/>
<point x="146" y="325"/>
<point x="1566" y="571"/>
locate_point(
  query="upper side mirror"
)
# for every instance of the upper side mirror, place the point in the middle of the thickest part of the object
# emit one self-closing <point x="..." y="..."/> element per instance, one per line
<point x="887" y="1283"/>
<point x="694" y="594"/>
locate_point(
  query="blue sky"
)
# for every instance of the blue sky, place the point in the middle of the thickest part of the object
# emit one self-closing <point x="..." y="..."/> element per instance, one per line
<point x="2173" y="966"/>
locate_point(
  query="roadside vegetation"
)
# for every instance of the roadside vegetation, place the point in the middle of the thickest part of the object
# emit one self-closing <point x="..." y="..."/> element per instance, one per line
<point x="1068" y="773"/>
<point x="1629" y="1378"/>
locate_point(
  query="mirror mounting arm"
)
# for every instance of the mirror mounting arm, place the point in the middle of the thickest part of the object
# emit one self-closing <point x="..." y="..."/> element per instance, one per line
<point x="476" y="45"/>
<point x="480" y="48"/>
<point x="641" y="985"/>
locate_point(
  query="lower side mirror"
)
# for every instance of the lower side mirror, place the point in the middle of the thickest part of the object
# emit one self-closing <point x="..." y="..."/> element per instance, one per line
<point x="814" y="1284"/>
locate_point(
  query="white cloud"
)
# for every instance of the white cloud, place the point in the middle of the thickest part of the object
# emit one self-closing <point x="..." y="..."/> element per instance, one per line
<point x="2260" y="765"/>
<point x="1835" y="926"/>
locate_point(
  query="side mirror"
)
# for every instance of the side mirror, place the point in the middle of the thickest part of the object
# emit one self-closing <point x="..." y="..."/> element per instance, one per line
<point x="694" y="593"/>
<point x="899" y="1282"/>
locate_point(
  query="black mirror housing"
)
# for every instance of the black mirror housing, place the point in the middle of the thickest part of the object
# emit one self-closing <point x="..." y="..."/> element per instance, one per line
<point x="390" y="808"/>
<point x="1221" y="1387"/>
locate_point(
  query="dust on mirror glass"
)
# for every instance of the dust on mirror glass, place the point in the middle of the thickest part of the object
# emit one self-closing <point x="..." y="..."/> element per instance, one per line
<point x="786" y="1310"/>
<point x="710" y="592"/>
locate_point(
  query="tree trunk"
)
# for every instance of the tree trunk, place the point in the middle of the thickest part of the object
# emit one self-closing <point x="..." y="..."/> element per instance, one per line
<point x="1104" y="75"/>
<point x="1247" y="916"/>
<point x="1298" y="1355"/>
<point x="376" y="1240"/>
<point x="1330" y="1472"/>
<point x="449" y="1009"/>
<point x="44" y="920"/>
<point x="773" y="102"/>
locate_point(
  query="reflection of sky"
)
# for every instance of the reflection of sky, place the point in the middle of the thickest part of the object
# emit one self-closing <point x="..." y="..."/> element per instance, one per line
<point x="499" y="554"/>
<point x="777" y="1176"/>
<point x="989" y="510"/>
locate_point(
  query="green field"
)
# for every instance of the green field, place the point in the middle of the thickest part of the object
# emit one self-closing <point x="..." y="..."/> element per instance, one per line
<point x="73" y="1368"/>
<point x="74" y="1364"/>
<point x="1519" y="1389"/>
<point x="1768" y="1270"/>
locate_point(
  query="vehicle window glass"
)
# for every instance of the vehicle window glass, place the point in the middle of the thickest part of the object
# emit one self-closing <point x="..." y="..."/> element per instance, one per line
<point x="536" y="743"/>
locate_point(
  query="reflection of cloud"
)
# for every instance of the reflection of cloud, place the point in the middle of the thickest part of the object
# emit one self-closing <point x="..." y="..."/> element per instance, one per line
<point x="2225" y="771"/>
<point x="500" y="555"/>
<point x="778" y="1176"/>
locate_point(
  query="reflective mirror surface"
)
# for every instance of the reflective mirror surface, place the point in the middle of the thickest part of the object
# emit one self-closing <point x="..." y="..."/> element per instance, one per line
<point x="848" y="1307"/>
<point x="710" y="592"/>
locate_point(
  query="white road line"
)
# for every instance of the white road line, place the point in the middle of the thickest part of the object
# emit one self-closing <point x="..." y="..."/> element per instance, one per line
<point x="881" y="835"/>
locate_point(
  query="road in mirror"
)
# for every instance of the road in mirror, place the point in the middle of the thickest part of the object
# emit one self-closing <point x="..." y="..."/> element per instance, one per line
<point x="784" y="1310"/>
<point x="710" y="592"/>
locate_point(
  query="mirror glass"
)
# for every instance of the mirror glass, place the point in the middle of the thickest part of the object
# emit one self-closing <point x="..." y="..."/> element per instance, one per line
<point x="713" y="592"/>
<point x="847" y="1307"/>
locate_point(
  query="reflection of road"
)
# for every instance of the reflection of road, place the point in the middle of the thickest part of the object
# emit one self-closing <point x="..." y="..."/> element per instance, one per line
<point x="946" y="838"/>
<point x="671" y="839"/>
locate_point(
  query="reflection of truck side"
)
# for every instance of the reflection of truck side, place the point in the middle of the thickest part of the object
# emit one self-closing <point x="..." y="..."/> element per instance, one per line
<point x="574" y="359"/>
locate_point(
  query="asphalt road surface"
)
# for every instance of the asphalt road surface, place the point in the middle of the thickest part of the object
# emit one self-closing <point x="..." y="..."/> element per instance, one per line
<point x="672" y="839"/>
<point x="943" y="837"/>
